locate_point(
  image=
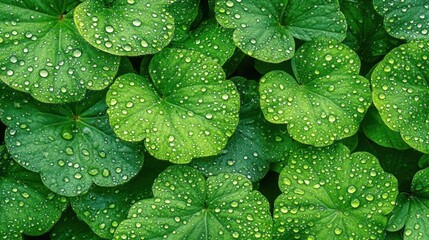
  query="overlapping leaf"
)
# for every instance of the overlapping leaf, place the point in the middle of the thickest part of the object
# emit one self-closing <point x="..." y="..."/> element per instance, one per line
<point x="405" y="19"/>
<point x="187" y="206"/>
<point x="126" y="27"/>
<point x="26" y="205"/>
<point x="328" y="99"/>
<point x="330" y="194"/>
<point x="184" y="13"/>
<point x="42" y="53"/>
<point x="71" y="227"/>
<point x="265" y="29"/>
<point x="401" y="92"/>
<point x="188" y="110"/>
<point x="70" y="145"/>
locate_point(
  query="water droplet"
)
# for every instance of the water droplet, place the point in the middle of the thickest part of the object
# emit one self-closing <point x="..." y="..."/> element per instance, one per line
<point x="137" y="23"/>
<point x="328" y="57"/>
<point x="129" y="104"/>
<point x="351" y="189"/>
<point x="43" y="73"/>
<point x="355" y="203"/>
<point x="332" y="118"/>
<point x="171" y="138"/>
<point x="209" y="116"/>
<point x="331" y="88"/>
<point x="229" y="3"/>
<point x="143" y="43"/>
<point x="109" y="29"/>
<point x="67" y="135"/>
<point x="69" y="151"/>
<point x="78" y="176"/>
<point x="77" y="53"/>
<point x="225" y="97"/>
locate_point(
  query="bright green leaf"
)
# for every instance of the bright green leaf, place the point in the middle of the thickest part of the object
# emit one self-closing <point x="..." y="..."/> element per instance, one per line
<point x="327" y="100"/>
<point x="184" y="13"/>
<point x="210" y="39"/>
<point x="70" y="145"/>
<point x="405" y="19"/>
<point x="188" y="110"/>
<point x="330" y="194"/>
<point x="42" y="53"/>
<point x="26" y="205"/>
<point x="187" y="206"/>
<point x="376" y="130"/>
<point x="71" y="227"/>
<point x="401" y="92"/>
<point x="126" y="27"/>
<point x="265" y="29"/>
<point x="412" y="211"/>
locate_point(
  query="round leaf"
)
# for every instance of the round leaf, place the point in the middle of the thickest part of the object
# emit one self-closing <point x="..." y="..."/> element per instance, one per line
<point x="401" y="93"/>
<point x="26" y="205"/>
<point x="125" y="27"/>
<point x="42" y="53"/>
<point x="329" y="194"/>
<point x="187" y="206"/>
<point x="188" y="110"/>
<point x="326" y="102"/>
<point x="70" y="145"/>
<point x="405" y="19"/>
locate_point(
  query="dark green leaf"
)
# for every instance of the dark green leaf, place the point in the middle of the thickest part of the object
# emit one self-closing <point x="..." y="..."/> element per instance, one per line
<point x="69" y="227"/>
<point x="184" y="13"/>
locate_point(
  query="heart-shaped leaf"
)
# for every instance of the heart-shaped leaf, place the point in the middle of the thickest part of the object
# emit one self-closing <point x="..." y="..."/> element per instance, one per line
<point x="26" y="205"/>
<point x="70" y="145"/>
<point x="412" y="211"/>
<point x="328" y="194"/>
<point x="401" y="92"/>
<point x="265" y="29"/>
<point x="328" y="99"/>
<point x="188" y="110"/>
<point x="42" y="53"/>
<point x="126" y="27"/>
<point x="405" y="19"/>
<point x="187" y="206"/>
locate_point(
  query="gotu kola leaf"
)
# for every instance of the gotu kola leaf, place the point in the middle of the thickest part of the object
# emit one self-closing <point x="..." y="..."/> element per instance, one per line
<point x="401" y="92"/>
<point x="70" y="145"/>
<point x="126" y="27"/>
<point x="26" y="205"/>
<point x="42" y="53"/>
<point x="265" y="29"/>
<point x="188" y="206"/>
<point x="405" y="19"/>
<point x="327" y="100"/>
<point x="188" y="110"/>
<point x="328" y="194"/>
<point x="412" y="210"/>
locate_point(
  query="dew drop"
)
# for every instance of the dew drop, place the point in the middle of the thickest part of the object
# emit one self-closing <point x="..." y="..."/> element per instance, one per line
<point x="143" y="43"/>
<point x="332" y="118"/>
<point x="355" y="203"/>
<point x="209" y="116"/>
<point x="137" y="23"/>
<point x="109" y="29"/>
<point x="43" y="73"/>
<point x="77" y="53"/>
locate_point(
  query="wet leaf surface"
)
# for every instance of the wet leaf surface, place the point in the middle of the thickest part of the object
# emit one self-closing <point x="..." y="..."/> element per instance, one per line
<point x="184" y="13"/>
<point x="328" y="194"/>
<point x="188" y="206"/>
<point x="327" y="100"/>
<point x="26" y="205"/>
<point x="70" y="145"/>
<point x="42" y="53"/>
<point x="69" y="227"/>
<point x="188" y="110"/>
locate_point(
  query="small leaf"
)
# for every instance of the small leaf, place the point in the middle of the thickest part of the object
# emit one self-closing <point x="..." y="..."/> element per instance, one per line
<point x="188" y="110"/>
<point x="376" y="130"/>
<point x="265" y="29"/>
<point x="187" y="206"/>
<point x="71" y="227"/>
<point x="401" y="93"/>
<point x="405" y="19"/>
<point x="26" y="206"/>
<point x="70" y="145"/>
<point x="210" y="39"/>
<point x="117" y="27"/>
<point x="184" y="13"/>
<point x="328" y="194"/>
<point x="328" y="99"/>
<point x="42" y="53"/>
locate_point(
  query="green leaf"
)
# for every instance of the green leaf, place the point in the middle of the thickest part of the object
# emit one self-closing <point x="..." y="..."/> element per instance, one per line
<point x="405" y="19"/>
<point x="328" y="99"/>
<point x="42" y="53"/>
<point x="71" y="227"/>
<point x="188" y="110"/>
<point x="104" y="208"/>
<point x="184" y="13"/>
<point x="412" y="211"/>
<point x="70" y="145"/>
<point x="117" y="27"/>
<point x="401" y="93"/>
<point x="365" y="30"/>
<point x="330" y="194"/>
<point x="265" y="29"/>
<point x="187" y="206"/>
<point x="26" y="206"/>
<point x="210" y="39"/>
<point x="254" y="144"/>
<point x="376" y="130"/>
